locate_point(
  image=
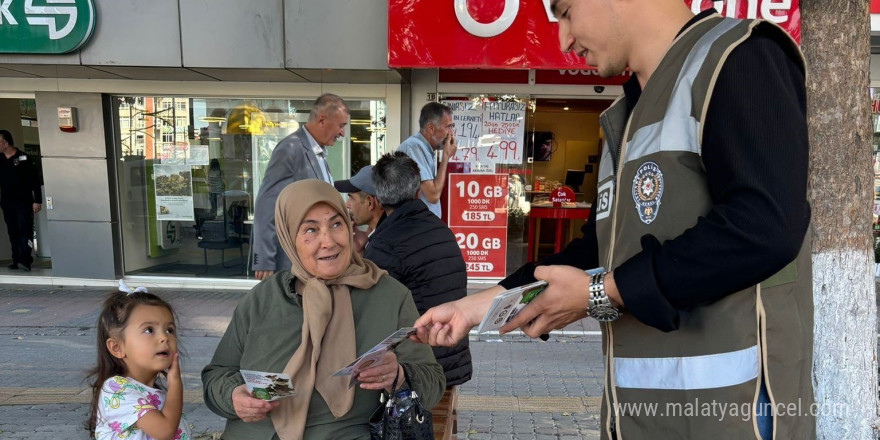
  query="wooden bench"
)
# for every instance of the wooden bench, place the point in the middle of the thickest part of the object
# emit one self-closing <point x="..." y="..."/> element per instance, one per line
<point x="445" y="416"/>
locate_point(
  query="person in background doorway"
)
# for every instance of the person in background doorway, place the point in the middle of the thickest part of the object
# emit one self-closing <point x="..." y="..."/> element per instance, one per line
<point x="436" y="131"/>
<point x="300" y="156"/>
<point x="362" y="204"/>
<point x="20" y="199"/>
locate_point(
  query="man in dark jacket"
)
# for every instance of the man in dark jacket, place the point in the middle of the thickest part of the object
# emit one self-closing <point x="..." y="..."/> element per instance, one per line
<point x="20" y="198"/>
<point x="417" y="249"/>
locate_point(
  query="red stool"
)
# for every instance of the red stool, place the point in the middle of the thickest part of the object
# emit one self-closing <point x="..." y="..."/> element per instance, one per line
<point x="560" y="215"/>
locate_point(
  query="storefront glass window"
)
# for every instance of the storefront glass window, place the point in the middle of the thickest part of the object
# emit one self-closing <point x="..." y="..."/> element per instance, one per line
<point x="537" y="144"/>
<point x="488" y="215"/>
<point x="190" y="170"/>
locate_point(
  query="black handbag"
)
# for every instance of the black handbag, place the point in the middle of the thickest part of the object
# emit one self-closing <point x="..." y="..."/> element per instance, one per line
<point x="400" y="416"/>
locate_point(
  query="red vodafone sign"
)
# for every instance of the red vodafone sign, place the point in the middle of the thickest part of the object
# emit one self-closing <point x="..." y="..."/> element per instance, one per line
<point x="517" y="34"/>
<point x="478" y="218"/>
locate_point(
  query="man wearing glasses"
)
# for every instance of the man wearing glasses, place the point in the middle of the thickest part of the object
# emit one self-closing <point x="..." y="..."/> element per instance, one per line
<point x="436" y="131"/>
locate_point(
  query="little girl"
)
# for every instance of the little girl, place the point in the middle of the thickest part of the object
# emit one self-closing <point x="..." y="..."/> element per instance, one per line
<point x="136" y="342"/>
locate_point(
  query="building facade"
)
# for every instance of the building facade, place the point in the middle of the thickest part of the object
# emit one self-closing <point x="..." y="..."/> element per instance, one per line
<point x="177" y="105"/>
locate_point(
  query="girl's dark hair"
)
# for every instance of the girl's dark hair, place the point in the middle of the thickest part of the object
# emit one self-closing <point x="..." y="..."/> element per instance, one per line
<point x="111" y="321"/>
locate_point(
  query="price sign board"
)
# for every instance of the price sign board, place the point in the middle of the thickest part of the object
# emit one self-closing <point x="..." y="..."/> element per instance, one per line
<point x="478" y="200"/>
<point x="468" y="120"/>
<point x="478" y="218"/>
<point x="488" y="133"/>
<point x="484" y="250"/>
<point x="503" y="131"/>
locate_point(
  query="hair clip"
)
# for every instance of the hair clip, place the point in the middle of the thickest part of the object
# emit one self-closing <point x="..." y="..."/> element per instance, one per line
<point x="128" y="290"/>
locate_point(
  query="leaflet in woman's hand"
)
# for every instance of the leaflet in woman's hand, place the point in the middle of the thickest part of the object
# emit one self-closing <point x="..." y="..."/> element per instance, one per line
<point x="395" y="339"/>
<point x="268" y="386"/>
<point x="374" y="354"/>
<point x="507" y="304"/>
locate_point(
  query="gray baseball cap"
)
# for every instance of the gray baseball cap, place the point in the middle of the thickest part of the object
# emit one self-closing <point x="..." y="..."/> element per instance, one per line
<point x="362" y="181"/>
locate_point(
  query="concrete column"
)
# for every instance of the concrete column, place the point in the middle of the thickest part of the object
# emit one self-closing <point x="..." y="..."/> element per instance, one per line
<point x="423" y="82"/>
<point x="75" y="173"/>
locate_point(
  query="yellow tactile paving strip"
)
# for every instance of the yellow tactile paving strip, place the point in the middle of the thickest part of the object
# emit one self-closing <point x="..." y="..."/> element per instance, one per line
<point x="528" y="404"/>
<point x="44" y="396"/>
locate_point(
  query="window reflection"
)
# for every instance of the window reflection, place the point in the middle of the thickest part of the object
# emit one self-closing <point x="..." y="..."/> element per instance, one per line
<point x="209" y="156"/>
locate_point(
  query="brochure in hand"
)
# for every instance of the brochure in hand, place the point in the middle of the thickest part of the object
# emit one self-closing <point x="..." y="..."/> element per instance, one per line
<point x="374" y="354"/>
<point x="508" y="304"/>
<point x="268" y="386"/>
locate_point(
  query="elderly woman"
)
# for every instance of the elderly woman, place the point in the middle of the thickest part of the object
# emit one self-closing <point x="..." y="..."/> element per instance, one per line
<point x="310" y="322"/>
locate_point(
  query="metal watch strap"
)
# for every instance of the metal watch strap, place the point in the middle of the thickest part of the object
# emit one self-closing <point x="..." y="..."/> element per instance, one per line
<point x="597" y="290"/>
<point x="599" y="305"/>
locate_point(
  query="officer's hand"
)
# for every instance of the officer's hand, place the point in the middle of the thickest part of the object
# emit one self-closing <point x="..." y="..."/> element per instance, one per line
<point x="37" y="207"/>
<point x="263" y="274"/>
<point x="443" y="325"/>
<point x="564" y="301"/>
<point x="447" y="324"/>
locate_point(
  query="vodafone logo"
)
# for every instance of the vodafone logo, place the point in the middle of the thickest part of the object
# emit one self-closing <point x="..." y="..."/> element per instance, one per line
<point x="513" y="34"/>
<point x="494" y="28"/>
<point x="486" y="30"/>
<point x="776" y="11"/>
<point x="588" y="72"/>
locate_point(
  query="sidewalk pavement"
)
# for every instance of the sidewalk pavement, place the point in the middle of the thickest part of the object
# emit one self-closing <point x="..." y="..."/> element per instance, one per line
<point x="521" y="388"/>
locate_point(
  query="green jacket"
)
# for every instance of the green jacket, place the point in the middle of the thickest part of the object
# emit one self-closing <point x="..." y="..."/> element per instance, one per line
<point x="266" y="330"/>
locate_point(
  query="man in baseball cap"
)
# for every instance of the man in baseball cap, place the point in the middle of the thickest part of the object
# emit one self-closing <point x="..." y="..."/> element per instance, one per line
<point x="362" y="204"/>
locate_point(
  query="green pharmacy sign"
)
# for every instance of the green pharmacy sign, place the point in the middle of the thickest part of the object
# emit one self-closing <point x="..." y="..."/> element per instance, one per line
<point x="45" y="26"/>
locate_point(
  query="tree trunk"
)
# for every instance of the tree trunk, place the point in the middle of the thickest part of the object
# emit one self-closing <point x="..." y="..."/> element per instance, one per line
<point x="836" y="44"/>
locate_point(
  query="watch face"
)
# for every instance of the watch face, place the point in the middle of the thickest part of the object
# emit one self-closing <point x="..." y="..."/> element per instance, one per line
<point x="604" y="313"/>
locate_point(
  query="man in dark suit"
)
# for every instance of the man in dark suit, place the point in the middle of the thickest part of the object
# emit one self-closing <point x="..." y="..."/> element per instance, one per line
<point x="301" y="155"/>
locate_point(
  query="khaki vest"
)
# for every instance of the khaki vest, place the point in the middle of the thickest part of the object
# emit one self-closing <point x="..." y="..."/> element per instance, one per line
<point x="652" y="181"/>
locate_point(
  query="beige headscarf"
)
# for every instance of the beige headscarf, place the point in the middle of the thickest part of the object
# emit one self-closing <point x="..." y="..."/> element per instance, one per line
<point x="328" y="337"/>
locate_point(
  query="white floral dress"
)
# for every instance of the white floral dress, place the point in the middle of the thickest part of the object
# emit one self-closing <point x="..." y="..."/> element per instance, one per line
<point x="123" y="401"/>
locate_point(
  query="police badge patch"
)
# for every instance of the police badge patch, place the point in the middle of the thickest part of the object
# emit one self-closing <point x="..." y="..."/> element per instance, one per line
<point x="647" y="190"/>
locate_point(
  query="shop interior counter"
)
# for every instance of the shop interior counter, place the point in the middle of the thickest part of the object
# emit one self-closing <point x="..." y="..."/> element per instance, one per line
<point x="561" y="215"/>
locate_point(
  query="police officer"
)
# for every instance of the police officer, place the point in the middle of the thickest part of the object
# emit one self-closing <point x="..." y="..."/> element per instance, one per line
<point x="707" y="243"/>
<point x="20" y="199"/>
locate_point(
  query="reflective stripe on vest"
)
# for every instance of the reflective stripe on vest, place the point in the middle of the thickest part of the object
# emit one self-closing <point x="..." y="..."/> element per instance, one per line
<point x="678" y="130"/>
<point x="687" y="373"/>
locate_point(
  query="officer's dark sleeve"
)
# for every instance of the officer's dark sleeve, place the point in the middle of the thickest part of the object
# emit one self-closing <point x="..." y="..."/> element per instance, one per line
<point x="582" y="252"/>
<point x="755" y="151"/>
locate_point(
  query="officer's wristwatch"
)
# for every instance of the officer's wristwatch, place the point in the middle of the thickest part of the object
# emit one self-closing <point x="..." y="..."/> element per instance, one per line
<point x="599" y="306"/>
